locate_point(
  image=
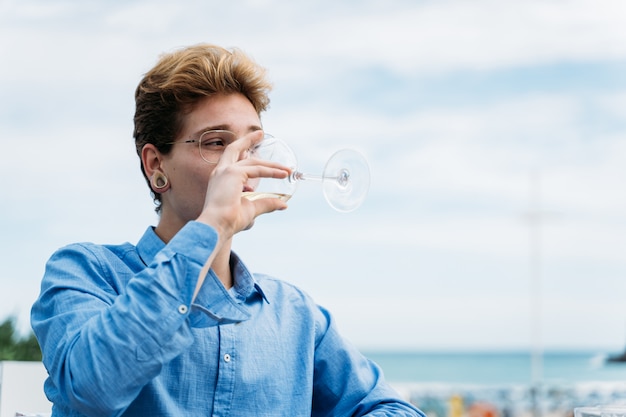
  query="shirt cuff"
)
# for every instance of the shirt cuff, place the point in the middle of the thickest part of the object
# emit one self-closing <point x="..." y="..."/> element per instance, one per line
<point x="195" y="241"/>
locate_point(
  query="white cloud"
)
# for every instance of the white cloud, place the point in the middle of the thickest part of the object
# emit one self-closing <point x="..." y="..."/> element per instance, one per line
<point x="431" y="37"/>
<point x="450" y="178"/>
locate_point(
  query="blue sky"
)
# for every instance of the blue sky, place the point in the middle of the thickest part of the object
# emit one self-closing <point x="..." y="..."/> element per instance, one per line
<point x="456" y="103"/>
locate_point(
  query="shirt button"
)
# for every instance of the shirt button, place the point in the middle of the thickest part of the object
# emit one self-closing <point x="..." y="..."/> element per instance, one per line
<point x="227" y="358"/>
<point x="182" y="309"/>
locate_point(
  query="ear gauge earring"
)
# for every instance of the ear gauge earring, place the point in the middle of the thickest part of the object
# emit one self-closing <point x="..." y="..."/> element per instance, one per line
<point x="159" y="181"/>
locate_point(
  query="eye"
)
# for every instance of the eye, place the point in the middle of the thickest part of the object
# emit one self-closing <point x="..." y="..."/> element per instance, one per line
<point x="213" y="141"/>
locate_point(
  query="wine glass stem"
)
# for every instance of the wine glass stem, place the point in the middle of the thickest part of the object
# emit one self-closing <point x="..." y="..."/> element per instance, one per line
<point x="299" y="176"/>
<point x="342" y="179"/>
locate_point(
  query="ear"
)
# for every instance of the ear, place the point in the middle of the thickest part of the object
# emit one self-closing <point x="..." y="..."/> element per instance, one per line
<point x="150" y="159"/>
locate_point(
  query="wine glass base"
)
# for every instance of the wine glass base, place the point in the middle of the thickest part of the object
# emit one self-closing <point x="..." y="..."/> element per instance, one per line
<point x="346" y="180"/>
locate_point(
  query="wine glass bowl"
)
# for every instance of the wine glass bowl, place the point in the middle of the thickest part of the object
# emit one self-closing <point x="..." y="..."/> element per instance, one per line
<point x="272" y="149"/>
<point x="345" y="178"/>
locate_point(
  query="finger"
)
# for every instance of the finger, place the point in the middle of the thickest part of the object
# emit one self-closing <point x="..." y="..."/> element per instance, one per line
<point x="261" y="206"/>
<point x="268" y="205"/>
<point x="258" y="168"/>
<point x="237" y="149"/>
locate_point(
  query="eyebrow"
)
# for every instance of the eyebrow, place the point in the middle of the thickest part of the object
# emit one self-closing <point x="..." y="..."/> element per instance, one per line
<point x="197" y="134"/>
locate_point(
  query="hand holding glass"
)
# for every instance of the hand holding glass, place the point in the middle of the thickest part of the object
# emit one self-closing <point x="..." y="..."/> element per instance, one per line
<point x="345" y="178"/>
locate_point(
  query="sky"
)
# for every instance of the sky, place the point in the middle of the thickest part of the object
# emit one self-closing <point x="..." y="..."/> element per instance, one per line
<point x="495" y="133"/>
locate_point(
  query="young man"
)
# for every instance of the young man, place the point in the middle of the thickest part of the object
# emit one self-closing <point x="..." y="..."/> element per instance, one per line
<point x="177" y="325"/>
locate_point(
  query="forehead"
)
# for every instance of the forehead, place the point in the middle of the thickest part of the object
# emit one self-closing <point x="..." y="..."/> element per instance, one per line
<point x="232" y="112"/>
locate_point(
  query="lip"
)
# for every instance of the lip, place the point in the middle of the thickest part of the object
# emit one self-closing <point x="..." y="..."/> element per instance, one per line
<point x="247" y="188"/>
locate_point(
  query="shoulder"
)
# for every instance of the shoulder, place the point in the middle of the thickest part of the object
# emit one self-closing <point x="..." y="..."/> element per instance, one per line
<point x="282" y="290"/>
<point x="86" y="261"/>
<point x="98" y="255"/>
<point x="94" y="249"/>
<point x="286" y="296"/>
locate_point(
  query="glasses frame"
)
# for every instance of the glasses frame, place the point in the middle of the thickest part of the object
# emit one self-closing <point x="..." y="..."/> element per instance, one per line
<point x="199" y="141"/>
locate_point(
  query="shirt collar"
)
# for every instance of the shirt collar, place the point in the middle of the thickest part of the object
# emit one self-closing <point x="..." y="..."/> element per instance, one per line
<point x="149" y="245"/>
<point x="244" y="283"/>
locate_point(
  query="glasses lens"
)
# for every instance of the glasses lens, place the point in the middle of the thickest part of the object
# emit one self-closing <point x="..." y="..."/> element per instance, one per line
<point x="213" y="142"/>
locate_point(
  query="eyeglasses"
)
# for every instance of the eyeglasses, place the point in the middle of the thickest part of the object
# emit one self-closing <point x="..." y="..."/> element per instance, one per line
<point x="212" y="144"/>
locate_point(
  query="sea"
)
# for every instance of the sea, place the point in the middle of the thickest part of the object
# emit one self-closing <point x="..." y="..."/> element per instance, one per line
<point x="493" y="368"/>
<point x="503" y="384"/>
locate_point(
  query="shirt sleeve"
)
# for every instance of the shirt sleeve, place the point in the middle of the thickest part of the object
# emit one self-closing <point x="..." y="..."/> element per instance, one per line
<point x="348" y="384"/>
<point x="105" y="335"/>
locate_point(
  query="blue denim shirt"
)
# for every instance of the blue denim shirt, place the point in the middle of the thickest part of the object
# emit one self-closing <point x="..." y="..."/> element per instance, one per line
<point x="120" y="336"/>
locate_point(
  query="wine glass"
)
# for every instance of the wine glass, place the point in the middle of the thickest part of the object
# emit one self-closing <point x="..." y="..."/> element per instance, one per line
<point x="345" y="178"/>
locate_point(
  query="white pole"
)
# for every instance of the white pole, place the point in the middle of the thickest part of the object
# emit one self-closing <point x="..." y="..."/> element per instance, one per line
<point x="535" y="223"/>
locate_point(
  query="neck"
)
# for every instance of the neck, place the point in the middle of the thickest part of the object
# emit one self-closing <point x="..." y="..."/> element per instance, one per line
<point x="221" y="267"/>
<point x="166" y="230"/>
